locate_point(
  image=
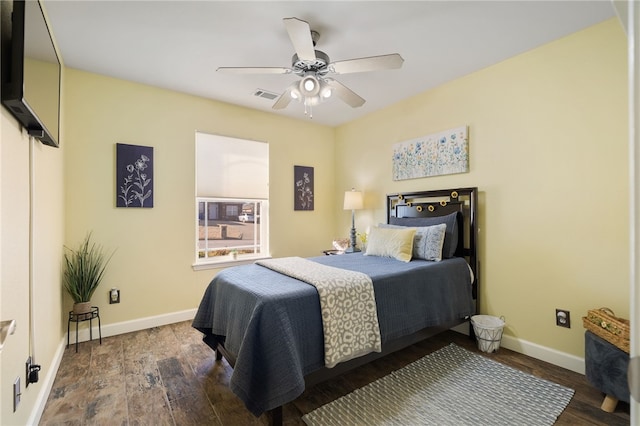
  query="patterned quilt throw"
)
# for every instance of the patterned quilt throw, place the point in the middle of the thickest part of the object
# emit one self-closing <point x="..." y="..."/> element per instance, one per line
<point x="347" y="303"/>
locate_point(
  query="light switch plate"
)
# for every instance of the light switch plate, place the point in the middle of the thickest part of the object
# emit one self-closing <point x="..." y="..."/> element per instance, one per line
<point x="16" y="394"/>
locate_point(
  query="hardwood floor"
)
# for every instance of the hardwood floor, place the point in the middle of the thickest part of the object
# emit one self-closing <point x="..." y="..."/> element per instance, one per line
<point x="167" y="375"/>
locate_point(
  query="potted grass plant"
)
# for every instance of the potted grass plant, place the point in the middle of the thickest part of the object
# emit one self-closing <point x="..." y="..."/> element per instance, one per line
<point x="83" y="272"/>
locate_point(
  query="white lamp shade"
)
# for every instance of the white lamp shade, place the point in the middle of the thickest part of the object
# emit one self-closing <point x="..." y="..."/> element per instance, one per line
<point x="353" y="200"/>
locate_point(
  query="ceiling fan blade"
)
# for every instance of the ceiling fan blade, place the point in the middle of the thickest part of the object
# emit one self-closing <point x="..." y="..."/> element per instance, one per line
<point x="344" y="93"/>
<point x="284" y="99"/>
<point x="300" y="35"/>
<point x="255" y="70"/>
<point x="372" y="63"/>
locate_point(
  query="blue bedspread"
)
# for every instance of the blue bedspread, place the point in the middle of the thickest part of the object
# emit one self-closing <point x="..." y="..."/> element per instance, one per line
<point x="272" y="322"/>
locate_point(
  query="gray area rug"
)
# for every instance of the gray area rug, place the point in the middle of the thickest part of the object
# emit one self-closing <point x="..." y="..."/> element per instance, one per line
<point x="451" y="386"/>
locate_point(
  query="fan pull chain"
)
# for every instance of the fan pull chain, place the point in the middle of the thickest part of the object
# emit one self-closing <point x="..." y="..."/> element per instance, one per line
<point x="308" y="108"/>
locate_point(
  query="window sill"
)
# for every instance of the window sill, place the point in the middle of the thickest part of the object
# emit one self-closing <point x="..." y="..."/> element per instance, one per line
<point x="226" y="263"/>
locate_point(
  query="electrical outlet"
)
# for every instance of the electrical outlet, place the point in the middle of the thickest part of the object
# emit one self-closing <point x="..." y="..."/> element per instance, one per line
<point x="114" y="296"/>
<point x="28" y="371"/>
<point x="563" y="318"/>
<point x="16" y="394"/>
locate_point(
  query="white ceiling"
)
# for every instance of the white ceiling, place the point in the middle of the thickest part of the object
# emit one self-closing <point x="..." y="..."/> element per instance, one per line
<point x="178" y="45"/>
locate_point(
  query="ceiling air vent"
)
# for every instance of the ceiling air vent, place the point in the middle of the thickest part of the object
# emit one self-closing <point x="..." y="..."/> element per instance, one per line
<point x="264" y="94"/>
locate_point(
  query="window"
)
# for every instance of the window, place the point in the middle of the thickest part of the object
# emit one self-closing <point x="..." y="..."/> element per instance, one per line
<point x="232" y="199"/>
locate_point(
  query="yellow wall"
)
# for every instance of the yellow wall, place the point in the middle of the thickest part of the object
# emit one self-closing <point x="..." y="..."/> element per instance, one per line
<point x="155" y="247"/>
<point x="548" y="151"/>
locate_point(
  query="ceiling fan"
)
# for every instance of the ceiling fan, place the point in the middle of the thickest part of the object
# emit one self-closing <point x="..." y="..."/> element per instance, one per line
<point x="314" y="66"/>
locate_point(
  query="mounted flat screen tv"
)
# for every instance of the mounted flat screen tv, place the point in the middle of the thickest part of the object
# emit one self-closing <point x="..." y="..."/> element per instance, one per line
<point x="30" y="70"/>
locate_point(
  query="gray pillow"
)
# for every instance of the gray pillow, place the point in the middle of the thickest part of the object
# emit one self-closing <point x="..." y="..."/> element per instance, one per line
<point x="427" y="242"/>
<point x="450" y="236"/>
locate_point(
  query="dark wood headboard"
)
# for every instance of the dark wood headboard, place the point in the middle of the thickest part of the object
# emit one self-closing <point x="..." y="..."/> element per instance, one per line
<point x="440" y="203"/>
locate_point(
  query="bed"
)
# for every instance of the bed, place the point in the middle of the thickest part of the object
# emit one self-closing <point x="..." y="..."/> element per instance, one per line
<point x="269" y="325"/>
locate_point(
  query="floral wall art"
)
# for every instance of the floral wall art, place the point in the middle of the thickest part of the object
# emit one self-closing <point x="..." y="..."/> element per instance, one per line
<point x="303" y="188"/>
<point x="441" y="153"/>
<point x="134" y="176"/>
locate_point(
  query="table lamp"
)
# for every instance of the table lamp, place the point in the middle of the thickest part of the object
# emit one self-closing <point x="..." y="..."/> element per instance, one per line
<point x="353" y="202"/>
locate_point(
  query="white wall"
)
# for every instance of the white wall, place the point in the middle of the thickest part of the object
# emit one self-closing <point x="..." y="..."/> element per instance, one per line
<point x="16" y="271"/>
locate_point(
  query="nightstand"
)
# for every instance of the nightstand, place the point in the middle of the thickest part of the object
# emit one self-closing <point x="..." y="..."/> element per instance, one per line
<point x="331" y="252"/>
<point x="334" y="252"/>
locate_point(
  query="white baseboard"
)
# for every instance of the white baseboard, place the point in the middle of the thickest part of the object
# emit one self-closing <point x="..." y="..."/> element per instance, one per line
<point x="543" y="353"/>
<point x="129" y="326"/>
<point x="552" y="356"/>
<point x="46" y="385"/>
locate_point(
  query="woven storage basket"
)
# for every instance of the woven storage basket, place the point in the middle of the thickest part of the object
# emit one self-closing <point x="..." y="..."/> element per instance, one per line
<point x="603" y="323"/>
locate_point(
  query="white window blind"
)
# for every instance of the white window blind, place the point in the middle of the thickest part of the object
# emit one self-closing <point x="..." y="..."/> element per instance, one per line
<point x="230" y="167"/>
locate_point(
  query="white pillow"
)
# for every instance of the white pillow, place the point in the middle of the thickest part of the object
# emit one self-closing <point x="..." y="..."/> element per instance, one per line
<point x="387" y="242"/>
<point x="428" y="240"/>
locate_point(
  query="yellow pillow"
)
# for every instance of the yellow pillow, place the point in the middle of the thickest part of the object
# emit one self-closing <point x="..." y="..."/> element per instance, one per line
<point x="387" y="242"/>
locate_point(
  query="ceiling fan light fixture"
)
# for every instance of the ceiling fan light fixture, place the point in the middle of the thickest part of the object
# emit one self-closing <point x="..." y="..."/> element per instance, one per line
<point x="313" y="67"/>
<point x="295" y="93"/>
<point x="325" y="90"/>
<point x="309" y="86"/>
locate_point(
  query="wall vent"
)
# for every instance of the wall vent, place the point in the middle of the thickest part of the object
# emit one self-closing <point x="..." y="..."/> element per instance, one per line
<point x="265" y="94"/>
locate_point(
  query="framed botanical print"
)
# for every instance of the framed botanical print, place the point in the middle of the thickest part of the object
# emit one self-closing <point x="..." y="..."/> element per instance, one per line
<point x="134" y="176"/>
<point x="303" y="188"/>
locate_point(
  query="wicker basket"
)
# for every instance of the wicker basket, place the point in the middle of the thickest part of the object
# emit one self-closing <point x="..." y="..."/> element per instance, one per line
<point x="603" y="323"/>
